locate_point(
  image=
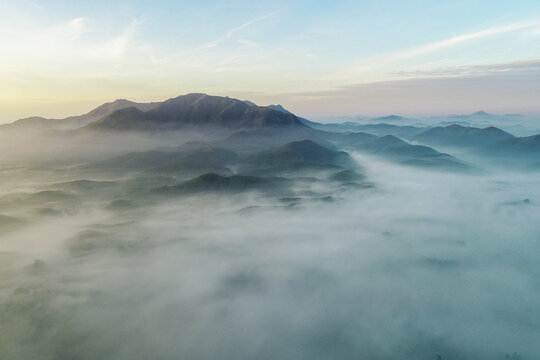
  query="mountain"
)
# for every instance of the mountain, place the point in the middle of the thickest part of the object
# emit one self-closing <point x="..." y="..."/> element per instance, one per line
<point x="200" y="112"/>
<point x="397" y="150"/>
<point x="251" y="140"/>
<point x="297" y="155"/>
<point x="32" y="123"/>
<point x="218" y="183"/>
<point x="462" y="136"/>
<point x="383" y="143"/>
<point x="348" y="139"/>
<point x="312" y="124"/>
<point x="382" y="129"/>
<point x="390" y="118"/>
<point x="480" y="113"/>
<point x="9" y="223"/>
<point x="347" y="176"/>
<point x="316" y="125"/>
<point x="190" y="158"/>
<point x="250" y="103"/>
<point x="73" y="122"/>
<point x="513" y="147"/>
<point x="129" y="118"/>
<point x="279" y="108"/>
<point x="109" y="108"/>
<point x="379" y="129"/>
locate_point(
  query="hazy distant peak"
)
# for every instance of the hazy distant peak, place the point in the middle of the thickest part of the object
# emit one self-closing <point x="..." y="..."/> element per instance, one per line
<point x="35" y="122"/>
<point x="481" y="113"/>
<point x="493" y="129"/>
<point x="390" y="118"/>
<point x="457" y="135"/>
<point x="387" y="141"/>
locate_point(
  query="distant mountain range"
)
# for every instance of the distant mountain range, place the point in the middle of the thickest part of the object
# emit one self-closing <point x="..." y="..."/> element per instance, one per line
<point x="242" y="126"/>
<point x="400" y="151"/>
<point x="515" y="124"/>
<point x="515" y="147"/>
<point x="462" y="136"/>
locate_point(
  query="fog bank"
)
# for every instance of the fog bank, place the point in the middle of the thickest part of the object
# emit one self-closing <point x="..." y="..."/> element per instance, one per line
<point x="425" y="265"/>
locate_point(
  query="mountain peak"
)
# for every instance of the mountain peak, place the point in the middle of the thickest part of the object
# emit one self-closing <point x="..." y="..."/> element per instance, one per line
<point x="118" y="104"/>
<point x="390" y="139"/>
<point x="390" y="118"/>
<point x="481" y="113"/>
<point x="279" y="108"/>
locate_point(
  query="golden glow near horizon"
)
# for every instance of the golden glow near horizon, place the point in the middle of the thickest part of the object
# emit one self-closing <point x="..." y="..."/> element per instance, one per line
<point x="64" y="59"/>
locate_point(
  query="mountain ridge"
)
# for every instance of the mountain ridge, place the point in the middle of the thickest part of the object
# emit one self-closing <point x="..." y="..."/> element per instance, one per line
<point x="75" y="121"/>
<point x="198" y="110"/>
<point x="463" y="136"/>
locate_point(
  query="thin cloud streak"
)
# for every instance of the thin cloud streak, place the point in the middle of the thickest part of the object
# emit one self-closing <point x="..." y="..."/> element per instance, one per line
<point x="469" y="70"/>
<point x="380" y="61"/>
<point x="231" y="32"/>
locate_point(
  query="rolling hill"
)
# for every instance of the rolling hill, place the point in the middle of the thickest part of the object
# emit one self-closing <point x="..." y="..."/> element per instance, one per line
<point x="397" y="150"/>
<point x="462" y="136"/>
<point x="297" y="155"/>
<point x="523" y="147"/>
<point x="192" y="157"/>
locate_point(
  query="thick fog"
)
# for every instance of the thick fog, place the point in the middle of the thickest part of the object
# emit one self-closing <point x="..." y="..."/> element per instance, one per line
<point x="423" y="265"/>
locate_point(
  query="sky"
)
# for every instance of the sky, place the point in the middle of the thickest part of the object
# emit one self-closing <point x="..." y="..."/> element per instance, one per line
<point x="317" y="58"/>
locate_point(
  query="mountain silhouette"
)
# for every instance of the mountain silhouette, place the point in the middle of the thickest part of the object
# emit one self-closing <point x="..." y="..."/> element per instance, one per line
<point x="528" y="146"/>
<point x="462" y="136"/>
<point x="197" y="111"/>
<point x="297" y="155"/>
<point x="73" y="122"/>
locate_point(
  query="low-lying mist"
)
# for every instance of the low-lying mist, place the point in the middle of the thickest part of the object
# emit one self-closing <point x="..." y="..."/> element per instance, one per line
<point x="423" y="265"/>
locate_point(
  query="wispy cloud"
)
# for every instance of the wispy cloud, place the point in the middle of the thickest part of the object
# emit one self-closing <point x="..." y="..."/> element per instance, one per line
<point x="118" y="45"/>
<point x="247" y="42"/>
<point x="67" y="45"/>
<point x="515" y="67"/>
<point x="380" y="61"/>
<point x="535" y="31"/>
<point x="460" y="39"/>
<point x="235" y="30"/>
